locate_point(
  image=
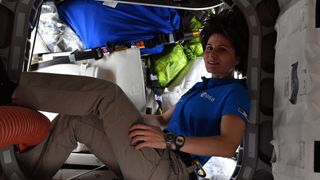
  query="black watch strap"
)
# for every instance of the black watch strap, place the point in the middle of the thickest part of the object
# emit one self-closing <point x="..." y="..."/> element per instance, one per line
<point x="169" y="139"/>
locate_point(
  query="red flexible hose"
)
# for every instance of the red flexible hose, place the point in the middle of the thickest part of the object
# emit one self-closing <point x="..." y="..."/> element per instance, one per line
<point x="23" y="126"/>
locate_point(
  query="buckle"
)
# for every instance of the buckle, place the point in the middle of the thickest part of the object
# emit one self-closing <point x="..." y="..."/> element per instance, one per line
<point x="198" y="169"/>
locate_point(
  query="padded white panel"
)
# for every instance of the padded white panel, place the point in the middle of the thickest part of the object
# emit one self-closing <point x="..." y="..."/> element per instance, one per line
<point x="296" y="125"/>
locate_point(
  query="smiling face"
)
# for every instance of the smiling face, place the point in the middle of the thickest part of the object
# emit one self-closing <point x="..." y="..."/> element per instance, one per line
<point x="220" y="56"/>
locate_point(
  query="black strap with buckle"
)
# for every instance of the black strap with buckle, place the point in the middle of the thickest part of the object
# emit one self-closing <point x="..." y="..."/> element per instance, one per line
<point x="96" y="53"/>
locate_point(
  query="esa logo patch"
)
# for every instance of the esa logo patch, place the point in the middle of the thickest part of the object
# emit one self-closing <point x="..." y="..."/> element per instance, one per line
<point x="207" y="96"/>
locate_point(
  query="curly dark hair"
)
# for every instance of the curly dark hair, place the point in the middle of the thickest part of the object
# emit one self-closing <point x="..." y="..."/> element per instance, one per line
<point x="231" y="24"/>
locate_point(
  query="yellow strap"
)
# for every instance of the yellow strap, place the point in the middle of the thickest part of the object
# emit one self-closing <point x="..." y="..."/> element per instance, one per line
<point x="198" y="169"/>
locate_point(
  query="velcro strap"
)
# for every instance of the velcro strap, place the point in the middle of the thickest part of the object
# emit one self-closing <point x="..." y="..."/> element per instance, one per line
<point x="10" y="165"/>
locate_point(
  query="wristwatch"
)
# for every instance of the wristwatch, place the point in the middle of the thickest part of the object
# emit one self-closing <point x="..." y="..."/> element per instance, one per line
<point x="179" y="142"/>
<point x="169" y="138"/>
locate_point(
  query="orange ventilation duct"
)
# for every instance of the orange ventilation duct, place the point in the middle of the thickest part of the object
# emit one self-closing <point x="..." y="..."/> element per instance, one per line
<point x="23" y="126"/>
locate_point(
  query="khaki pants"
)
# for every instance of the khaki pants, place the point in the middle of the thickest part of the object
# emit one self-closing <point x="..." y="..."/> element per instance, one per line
<point x="94" y="112"/>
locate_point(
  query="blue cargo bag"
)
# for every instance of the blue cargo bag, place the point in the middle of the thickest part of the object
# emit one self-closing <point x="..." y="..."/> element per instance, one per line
<point x="97" y="24"/>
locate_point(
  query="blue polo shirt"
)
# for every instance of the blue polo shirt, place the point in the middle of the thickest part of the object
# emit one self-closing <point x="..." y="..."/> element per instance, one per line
<point x="199" y="111"/>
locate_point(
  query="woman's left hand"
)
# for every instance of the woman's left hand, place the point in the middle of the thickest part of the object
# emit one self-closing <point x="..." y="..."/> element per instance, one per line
<point x="143" y="135"/>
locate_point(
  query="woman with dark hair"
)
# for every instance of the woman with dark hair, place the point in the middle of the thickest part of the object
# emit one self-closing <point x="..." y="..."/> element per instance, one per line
<point x="232" y="26"/>
<point x="209" y="120"/>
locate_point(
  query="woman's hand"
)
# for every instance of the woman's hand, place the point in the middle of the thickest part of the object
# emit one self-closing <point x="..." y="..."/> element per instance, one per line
<point x="143" y="135"/>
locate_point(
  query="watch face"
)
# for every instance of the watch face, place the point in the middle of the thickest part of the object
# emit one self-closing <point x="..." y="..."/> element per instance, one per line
<point x="180" y="140"/>
<point x="170" y="137"/>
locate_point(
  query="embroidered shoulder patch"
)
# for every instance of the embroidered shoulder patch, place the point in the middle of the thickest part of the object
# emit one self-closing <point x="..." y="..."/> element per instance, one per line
<point x="243" y="112"/>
